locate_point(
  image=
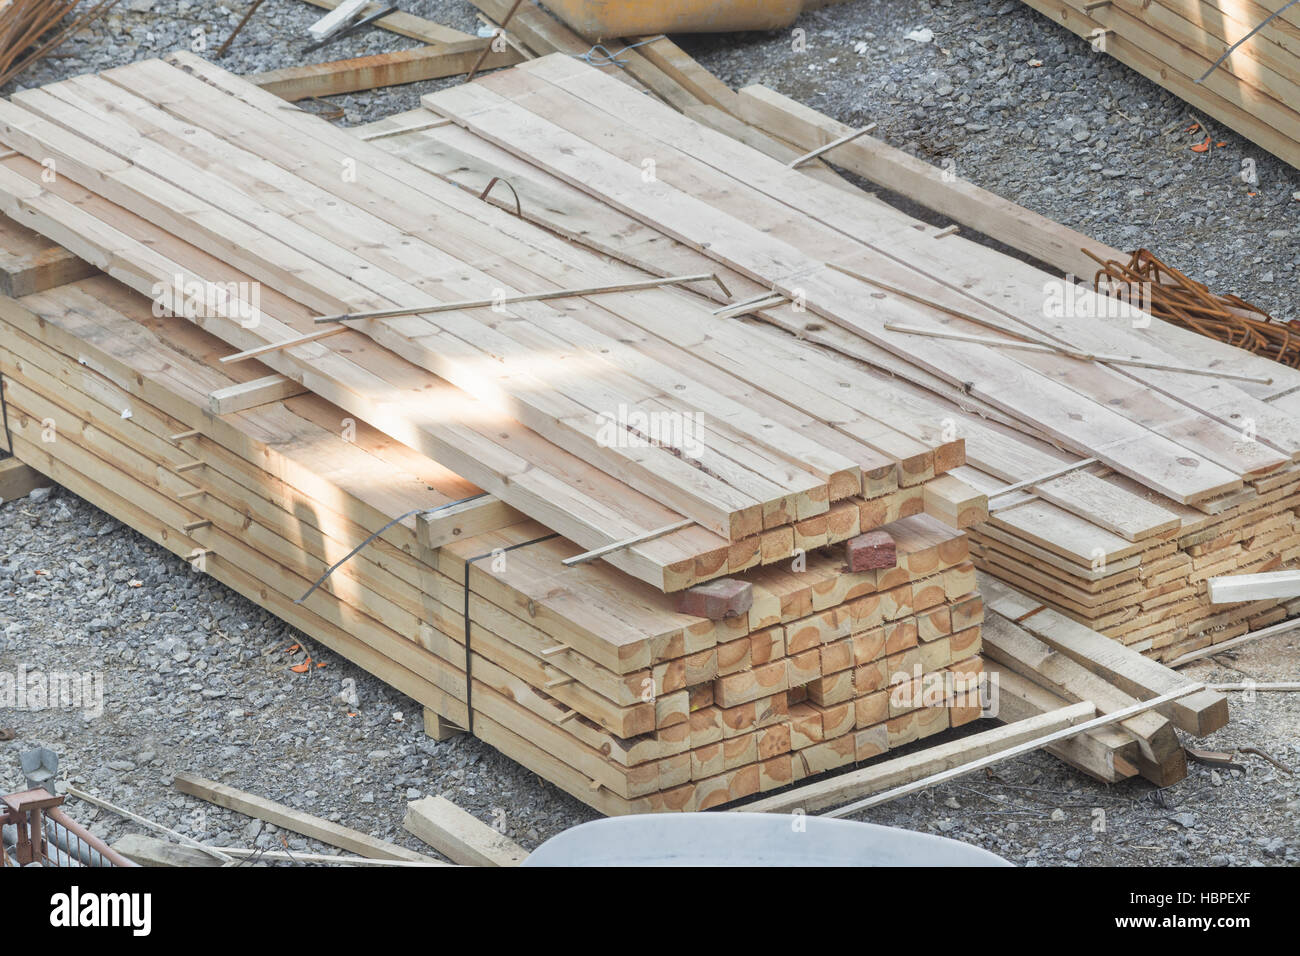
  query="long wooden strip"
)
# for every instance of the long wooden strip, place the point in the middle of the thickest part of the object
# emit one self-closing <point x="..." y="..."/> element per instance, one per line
<point x="459" y="836"/>
<point x="1199" y="714"/>
<point x="282" y="816"/>
<point x="1105" y="720"/>
<point x="380" y="69"/>
<point x="836" y="790"/>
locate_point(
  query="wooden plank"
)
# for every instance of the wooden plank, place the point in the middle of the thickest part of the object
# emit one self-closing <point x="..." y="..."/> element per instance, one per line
<point x="381" y="69"/>
<point x="336" y="19"/>
<point x="465" y="520"/>
<point x="901" y="172"/>
<point x="1162" y="760"/>
<point x="836" y="790"/>
<point x="1237" y="588"/>
<point x="31" y="263"/>
<point x="1108" y="754"/>
<point x="260" y="391"/>
<point x="290" y="819"/>
<point x="150" y="851"/>
<point x="459" y="836"/>
<point x="18" y="480"/>
<point x="943" y="776"/>
<point x="405" y="24"/>
<point x="1199" y="714"/>
<point x="1107" y="506"/>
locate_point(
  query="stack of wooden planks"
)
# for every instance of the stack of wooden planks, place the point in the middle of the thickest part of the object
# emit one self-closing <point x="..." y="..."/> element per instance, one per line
<point x="1255" y="90"/>
<point x="1119" y="485"/>
<point x="481" y="445"/>
<point x="582" y="673"/>
<point x="830" y="367"/>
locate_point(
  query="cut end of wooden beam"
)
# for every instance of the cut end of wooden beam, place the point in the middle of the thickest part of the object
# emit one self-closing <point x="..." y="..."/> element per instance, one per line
<point x="871" y="551"/>
<point x="716" y="600"/>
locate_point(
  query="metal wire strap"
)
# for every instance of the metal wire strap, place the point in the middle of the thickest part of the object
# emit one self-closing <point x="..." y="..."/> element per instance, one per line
<point x="418" y="511"/>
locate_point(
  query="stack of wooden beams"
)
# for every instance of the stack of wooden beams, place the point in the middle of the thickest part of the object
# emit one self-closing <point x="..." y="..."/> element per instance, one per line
<point x="1120" y="485"/>
<point x="472" y="441"/>
<point x="1255" y="90"/>
<point x="582" y="673"/>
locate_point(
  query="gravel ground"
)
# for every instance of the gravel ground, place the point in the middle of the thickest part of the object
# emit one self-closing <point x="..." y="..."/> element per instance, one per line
<point x="196" y="678"/>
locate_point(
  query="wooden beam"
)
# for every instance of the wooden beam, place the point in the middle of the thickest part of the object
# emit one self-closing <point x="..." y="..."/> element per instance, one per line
<point x="1236" y="588"/>
<point x="836" y="790"/>
<point x="955" y="198"/>
<point x="1280" y="628"/>
<point x="381" y="69"/>
<point x="1065" y="733"/>
<point x="1109" y="755"/>
<point x="1162" y="760"/>
<point x="151" y="851"/>
<point x="281" y="816"/>
<point x="459" y="836"/>
<point x="1199" y="714"/>
<point x="31" y="263"/>
<point x="464" y="519"/>
<point x="260" y="391"/>
<point x="405" y="24"/>
<point x="18" y="480"/>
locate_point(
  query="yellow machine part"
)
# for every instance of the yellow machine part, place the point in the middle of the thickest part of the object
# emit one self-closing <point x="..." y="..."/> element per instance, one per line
<point x="602" y="19"/>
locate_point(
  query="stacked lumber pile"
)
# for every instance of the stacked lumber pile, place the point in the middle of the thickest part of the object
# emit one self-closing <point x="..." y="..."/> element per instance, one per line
<point x="718" y="650"/>
<point x="1255" y="91"/>
<point x="582" y="673"/>
<point x="1119" y="486"/>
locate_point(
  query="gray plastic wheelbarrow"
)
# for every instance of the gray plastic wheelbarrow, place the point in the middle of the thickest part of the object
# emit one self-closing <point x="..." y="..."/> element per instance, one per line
<point x="750" y="839"/>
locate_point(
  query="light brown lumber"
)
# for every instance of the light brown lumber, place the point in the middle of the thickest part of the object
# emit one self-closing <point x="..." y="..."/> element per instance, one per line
<point x="1237" y="588"/>
<point x="1108" y="755"/>
<point x="903" y="173"/>
<point x="260" y="391"/>
<point x="829" y="793"/>
<point x="31" y="263"/>
<point x="1162" y="759"/>
<point x="460" y="836"/>
<point x="1200" y="714"/>
<point x="290" y="819"/>
<point x="405" y="24"/>
<point x="151" y="851"/>
<point x="1281" y="628"/>
<point x="682" y="68"/>
<point x="381" y="69"/>
<point x="944" y="776"/>
<point x="570" y="142"/>
<point x="18" y="480"/>
<point x="465" y="519"/>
